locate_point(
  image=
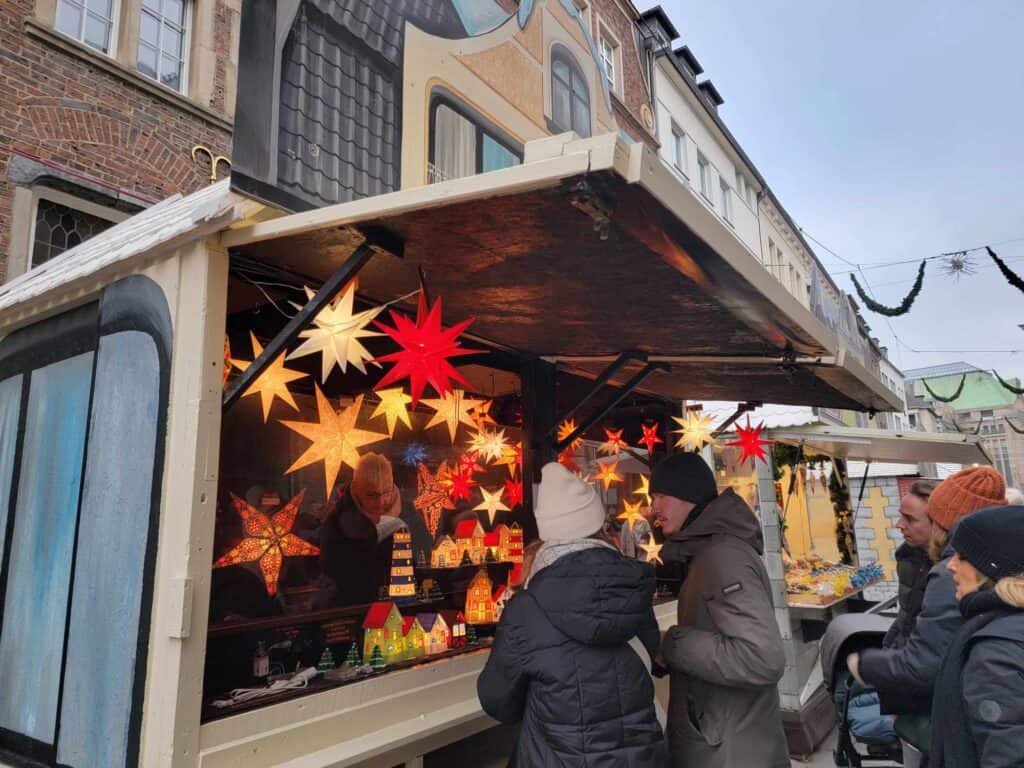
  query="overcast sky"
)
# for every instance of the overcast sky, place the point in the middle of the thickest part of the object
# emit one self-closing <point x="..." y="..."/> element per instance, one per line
<point x="889" y="131"/>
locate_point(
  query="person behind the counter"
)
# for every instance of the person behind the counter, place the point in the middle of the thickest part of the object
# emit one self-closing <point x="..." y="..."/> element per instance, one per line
<point x="357" y="535"/>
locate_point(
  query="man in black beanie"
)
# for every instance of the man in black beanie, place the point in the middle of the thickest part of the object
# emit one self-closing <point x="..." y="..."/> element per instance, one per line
<point x="725" y="654"/>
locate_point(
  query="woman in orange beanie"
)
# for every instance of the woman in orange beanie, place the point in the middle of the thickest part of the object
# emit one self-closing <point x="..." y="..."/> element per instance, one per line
<point x="904" y="677"/>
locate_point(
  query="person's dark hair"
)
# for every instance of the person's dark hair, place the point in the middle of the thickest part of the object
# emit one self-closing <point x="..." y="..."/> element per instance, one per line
<point x="923" y="489"/>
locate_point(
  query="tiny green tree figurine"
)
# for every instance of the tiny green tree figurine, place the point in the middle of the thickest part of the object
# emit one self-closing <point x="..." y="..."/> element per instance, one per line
<point x="466" y="559"/>
<point x="353" y="659"/>
<point x="326" y="660"/>
<point x="490" y="556"/>
<point x="471" y="635"/>
<point x="377" y="659"/>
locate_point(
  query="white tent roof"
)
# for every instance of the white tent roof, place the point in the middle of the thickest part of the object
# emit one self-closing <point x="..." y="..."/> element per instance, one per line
<point x="878" y="445"/>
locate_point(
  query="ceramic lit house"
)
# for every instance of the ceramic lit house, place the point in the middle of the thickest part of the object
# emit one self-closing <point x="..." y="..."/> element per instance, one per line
<point x="480" y="600"/>
<point x="437" y="635"/>
<point x="413" y="638"/>
<point x="469" y="538"/>
<point x="456" y="623"/>
<point x="512" y="544"/>
<point x="384" y="627"/>
<point x="446" y="554"/>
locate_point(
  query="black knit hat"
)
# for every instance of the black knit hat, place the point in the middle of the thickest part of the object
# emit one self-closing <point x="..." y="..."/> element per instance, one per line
<point x="685" y="476"/>
<point x="992" y="540"/>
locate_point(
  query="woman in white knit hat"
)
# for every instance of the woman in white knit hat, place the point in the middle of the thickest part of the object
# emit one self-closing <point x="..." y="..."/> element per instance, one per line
<point x="566" y="659"/>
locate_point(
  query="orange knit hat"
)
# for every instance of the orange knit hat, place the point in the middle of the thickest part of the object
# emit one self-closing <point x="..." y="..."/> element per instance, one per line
<point x="964" y="492"/>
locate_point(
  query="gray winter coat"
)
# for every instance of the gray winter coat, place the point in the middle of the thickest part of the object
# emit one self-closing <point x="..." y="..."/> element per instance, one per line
<point x="904" y="677"/>
<point x="726" y="654"/>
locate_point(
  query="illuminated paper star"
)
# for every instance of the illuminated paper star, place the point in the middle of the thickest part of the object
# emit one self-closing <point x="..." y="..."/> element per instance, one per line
<point x="644" y="489"/>
<point x="452" y="408"/>
<point x="511" y="457"/>
<point x="335" y="438"/>
<point x="414" y="454"/>
<point x="748" y="440"/>
<point x="630" y="515"/>
<point x="652" y="552"/>
<point x="606" y="474"/>
<point x="460" y="483"/>
<point x="568" y="460"/>
<point x="696" y="431"/>
<point x="268" y="540"/>
<point x="426" y="349"/>
<point x="514" y="493"/>
<point x="273" y="382"/>
<point x="490" y="445"/>
<point x="492" y="503"/>
<point x="228" y="362"/>
<point x="392" y="407"/>
<point x="468" y="463"/>
<point x="613" y="444"/>
<point x="336" y="334"/>
<point x="432" y="495"/>
<point x="650" y="438"/>
<point x="565" y="429"/>
<point x="481" y="415"/>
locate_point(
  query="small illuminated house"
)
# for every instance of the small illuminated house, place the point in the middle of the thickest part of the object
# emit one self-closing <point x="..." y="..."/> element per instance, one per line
<point x="480" y="599"/>
<point x="436" y="633"/>
<point x="456" y="622"/>
<point x="514" y="547"/>
<point x="412" y="638"/>
<point x="446" y="554"/>
<point x="469" y="537"/>
<point x="383" y="627"/>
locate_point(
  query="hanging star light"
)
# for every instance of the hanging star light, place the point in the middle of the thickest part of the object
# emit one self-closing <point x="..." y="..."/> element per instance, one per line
<point x="481" y="415"/>
<point x="432" y="495"/>
<point x="606" y="474"/>
<point x="650" y="438"/>
<point x="335" y="438"/>
<point x="511" y="457"/>
<point x="452" y="408"/>
<point x="652" y="552"/>
<point x="226" y="372"/>
<point x="613" y="444"/>
<point x="336" y="333"/>
<point x="565" y="429"/>
<point x="644" y="489"/>
<point x="426" y="349"/>
<point x="514" y="492"/>
<point x="415" y="453"/>
<point x="468" y="463"/>
<point x="630" y="514"/>
<point x="489" y="445"/>
<point x="568" y="460"/>
<point x="273" y="382"/>
<point x="393" y="407"/>
<point x="958" y="264"/>
<point x="748" y="440"/>
<point x="459" y="483"/>
<point x="696" y="432"/>
<point x="492" y="503"/>
<point x="268" y="540"/>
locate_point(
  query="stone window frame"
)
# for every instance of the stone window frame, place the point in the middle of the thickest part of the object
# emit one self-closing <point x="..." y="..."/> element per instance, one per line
<point x="604" y="33"/>
<point x="188" y="24"/>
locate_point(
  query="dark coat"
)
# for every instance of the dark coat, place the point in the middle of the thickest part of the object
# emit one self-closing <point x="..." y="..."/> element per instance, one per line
<point x="978" y="718"/>
<point x="562" y="664"/>
<point x="904" y="677"/>
<point x="726" y="655"/>
<point x="355" y="563"/>
<point x="912" y="567"/>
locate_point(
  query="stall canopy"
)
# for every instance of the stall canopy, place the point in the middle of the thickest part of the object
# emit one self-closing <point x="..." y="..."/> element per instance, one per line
<point x="589" y="249"/>
<point x="879" y="445"/>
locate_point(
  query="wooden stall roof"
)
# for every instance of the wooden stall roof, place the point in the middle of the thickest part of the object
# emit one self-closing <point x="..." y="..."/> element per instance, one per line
<point x="525" y="252"/>
<point x="880" y="445"/>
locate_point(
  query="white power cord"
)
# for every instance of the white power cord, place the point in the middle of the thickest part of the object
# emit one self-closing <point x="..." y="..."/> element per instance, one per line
<point x="239" y="695"/>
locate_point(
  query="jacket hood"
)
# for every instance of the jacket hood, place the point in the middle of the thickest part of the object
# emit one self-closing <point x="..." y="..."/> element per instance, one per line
<point x="727" y="515"/>
<point x="595" y="596"/>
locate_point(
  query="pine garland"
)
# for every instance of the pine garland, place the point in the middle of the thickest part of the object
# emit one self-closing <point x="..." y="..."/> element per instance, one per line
<point x="1011" y="277"/>
<point x="840" y="497"/>
<point x="904" y="306"/>
<point x="1010" y="423"/>
<point x="1007" y="385"/>
<point x="959" y="391"/>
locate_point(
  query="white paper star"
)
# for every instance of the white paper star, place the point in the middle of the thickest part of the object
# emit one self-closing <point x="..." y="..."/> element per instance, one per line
<point x="453" y="408"/>
<point x="492" y="503"/>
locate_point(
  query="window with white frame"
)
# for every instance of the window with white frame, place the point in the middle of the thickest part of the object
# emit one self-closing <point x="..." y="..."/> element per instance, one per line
<point x="750" y="194"/>
<point x="90" y="21"/>
<point x="705" y="177"/>
<point x="609" y="50"/>
<point x="726" y="201"/>
<point x="679" y="148"/>
<point x="741" y="185"/>
<point x="163" y="33"/>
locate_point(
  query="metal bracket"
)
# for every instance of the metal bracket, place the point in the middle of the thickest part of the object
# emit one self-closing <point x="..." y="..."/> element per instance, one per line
<point x="742" y="408"/>
<point x="583" y="196"/>
<point x="599" y="384"/>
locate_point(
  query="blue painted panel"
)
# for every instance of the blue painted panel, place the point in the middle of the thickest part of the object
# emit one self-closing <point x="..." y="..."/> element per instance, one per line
<point x="107" y="593"/>
<point x="10" y="407"/>
<point x="35" y="606"/>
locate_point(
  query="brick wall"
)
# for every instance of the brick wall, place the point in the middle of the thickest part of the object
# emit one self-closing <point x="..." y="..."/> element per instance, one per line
<point x="91" y="117"/>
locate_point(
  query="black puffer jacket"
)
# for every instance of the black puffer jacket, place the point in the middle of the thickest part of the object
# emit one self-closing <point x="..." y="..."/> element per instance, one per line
<point x="912" y="566"/>
<point x="562" y="664"/>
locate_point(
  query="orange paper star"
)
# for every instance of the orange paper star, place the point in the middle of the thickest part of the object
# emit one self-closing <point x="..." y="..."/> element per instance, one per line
<point x="481" y="415"/>
<point x="335" y="438"/>
<point x="511" y="457"/>
<point x="565" y="429"/>
<point x="268" y="540"/>
<point x="432" y="496"/>
<point x="607" y="475"/>
<point x="613" y="444"/>
<point x="273" y="382"/>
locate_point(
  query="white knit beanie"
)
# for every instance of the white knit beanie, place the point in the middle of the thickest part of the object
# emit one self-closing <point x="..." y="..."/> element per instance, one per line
<point x="567" y="508"/>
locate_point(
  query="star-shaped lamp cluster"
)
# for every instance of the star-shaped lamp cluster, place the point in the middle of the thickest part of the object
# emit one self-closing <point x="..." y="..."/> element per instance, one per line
<point x="748" y="440"/>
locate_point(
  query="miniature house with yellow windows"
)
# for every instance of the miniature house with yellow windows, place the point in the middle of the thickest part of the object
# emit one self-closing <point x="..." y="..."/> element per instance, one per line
<point x="413" y="638"/>
<point x="436" y="633"/>
<point x="469" y="537"/>
<point x="480" y="599"/>
<point x="446" y="554"/>
<point x="383" y="628"/>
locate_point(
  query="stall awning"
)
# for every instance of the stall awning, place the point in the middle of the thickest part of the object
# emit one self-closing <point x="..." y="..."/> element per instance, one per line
<point x="589" y="249"/>
<point x="879" y="445"/>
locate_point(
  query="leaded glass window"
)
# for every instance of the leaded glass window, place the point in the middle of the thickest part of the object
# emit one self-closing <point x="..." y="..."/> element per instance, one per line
<point x="60" y="227"/>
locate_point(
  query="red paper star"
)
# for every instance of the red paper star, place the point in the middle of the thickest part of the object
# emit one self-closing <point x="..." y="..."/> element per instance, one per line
<point x="460" y="484"/>
<point x="650" y="438"/>
<point x="426" y="348"/>
<point x="432" y="496"/>
<point x="750" y="443"/>
<point x="513" y="493"/>
<point x="268" y="540"/>
<point x="468" y="463"/>
<point x="568" y="460"/>
<point x="613" y="444"/>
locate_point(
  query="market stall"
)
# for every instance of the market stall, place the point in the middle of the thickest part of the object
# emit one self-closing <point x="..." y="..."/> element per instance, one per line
<point x="552" y="292"/>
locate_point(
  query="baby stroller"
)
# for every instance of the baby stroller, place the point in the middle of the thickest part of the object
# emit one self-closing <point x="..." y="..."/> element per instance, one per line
<point x="846" y="634"/>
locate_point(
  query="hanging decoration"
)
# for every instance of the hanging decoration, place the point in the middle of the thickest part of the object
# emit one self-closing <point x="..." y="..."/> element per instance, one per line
<point x="468" y="463"/>
<point x="273" y="382"/>
<point x="492" y="503"/>
<point x="335" y="438"/>
<point x="613" y="444"/>
<point x="748" y="440"/>
<point x="452" y="408"/>
<point x="565" y="429"/>
<point x="903" y="307"/>
<point x="481" y="415"/>
<point x="1011" y="277"/>
<point x="490" y="445"/>
<point x="432" y="495"/>
<point x="426" y="350"/>
<point x="513" y="493"/>
<point x="958" y="264"/>
<point x="415" y="453"/>
<point x="644" y="489"/>
<point x="839" y="494"/>
<point x="226" y="371"/>
<point x="460" y="484"/>
<point x="939" y="398"/>
<point x="511" y="457"/>
<point x="696" y="431"/>
<point x="393" y="406"/>
<point x="606" y="474"/>
<point x="1007" y="385"/>
<point x="568" y="460"/>
<point x="650" y="438"/>
<point x="652" y="552"/>
<point x="630" y="514"/>
<point x="336" y="333"/>
<point x="268" y="540"/>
